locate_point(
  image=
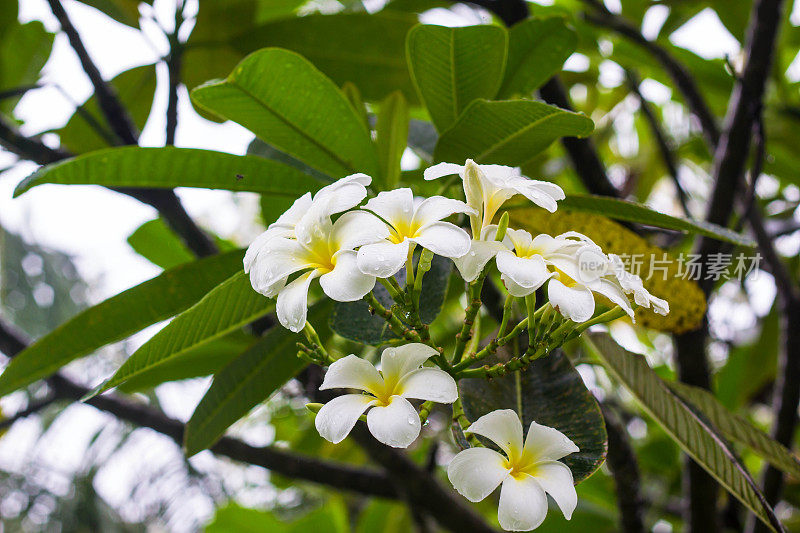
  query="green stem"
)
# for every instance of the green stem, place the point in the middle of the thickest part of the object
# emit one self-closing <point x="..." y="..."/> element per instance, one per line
<point x="424" y="265"/>
<point x="473" y="306"/>
<point x="410" y="267"/>
<point x="394" y="289"/>
<point x="530" y="304"/>
<point x="507" y="309"/>
<point x="463" y="422"/>
<point x="490" y="348"/>
<point x="602" y="318"/>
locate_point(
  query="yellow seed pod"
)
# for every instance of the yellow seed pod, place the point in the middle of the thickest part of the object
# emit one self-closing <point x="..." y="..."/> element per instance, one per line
<point x="663" y="275"/>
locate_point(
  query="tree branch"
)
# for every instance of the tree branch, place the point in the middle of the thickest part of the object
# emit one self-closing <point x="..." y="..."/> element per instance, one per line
<point x="339" y="476"/>
<point x="115" y="113"/>
<point x="174" y="62"/>
<point x="621" y="460"/>
<point x="661" y="140"/>
<point x="680" y="75"/>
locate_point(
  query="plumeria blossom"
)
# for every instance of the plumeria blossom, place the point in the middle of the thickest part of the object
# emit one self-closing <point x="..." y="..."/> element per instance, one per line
<point x="346" y="193"/>
<point x="391" y="418"/>
<point x="571" y="264"/>
<point x="317" y="248"/>
<point x="487" y="188"/>
<point x="526" y="472"/>
<point x="408" y="223"/>
<point x="632" y="284"/>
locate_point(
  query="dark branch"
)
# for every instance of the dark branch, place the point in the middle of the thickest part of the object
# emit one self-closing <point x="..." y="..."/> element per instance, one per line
<point x="174" y="63"/>
<point x="33" y="408"/>
<point x="293" y="465"/>
<point x="115" y="113"/>
<point x="28" y="148"/>
<point x="621" y="460"/>
<point x="679" y="74"/>
<point x="582" y="153"/>
<point x="661" y="140"/>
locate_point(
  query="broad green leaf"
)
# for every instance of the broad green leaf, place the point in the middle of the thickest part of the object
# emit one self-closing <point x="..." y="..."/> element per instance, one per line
<point x="353" y="320"/>
<point x="288" y="103"/>
<point x="537" y="49"/>
<point x="124" y="11"/>
<point x="384" y="516"/>
<point x="540" y="394"/>
<point x="229" y="306"/>
<point x="392" y="137"/>
<point x="451" y="67"/>
<point x="205" y="360"/>
<point x="24" y="49"/>
<point x="168" y="167"/>
<point x="88" y="130"/>
<point x="118" y="317"/>
<point x="366" y="50"/>
<point x="634" y="212"/>
<point x="692" y="433"/>
<point x="738" y="429"/>
<point x="249" y="379"/>
<point x="353" y="96"/>
<point x="508" y="132"/>
<point x="331" y="517"/>
<point x="156" y="242"/>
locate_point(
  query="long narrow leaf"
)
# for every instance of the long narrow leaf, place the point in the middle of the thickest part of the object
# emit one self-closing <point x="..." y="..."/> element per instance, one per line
<point x="738" y="429"/>
<point x="692" y="433"/>
<point x="169" y="167"/>
<point x="248" y="380"/>
<point x="118" y="317"/>
<point x="231" y="305"/>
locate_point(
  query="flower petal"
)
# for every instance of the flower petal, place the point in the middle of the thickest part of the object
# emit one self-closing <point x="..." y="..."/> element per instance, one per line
<point x="352" y="372"/>
<point x="575" y="303"/>
<point x="503" y="428"/>
<point x="277" y="259"/>
<point x="514" y="289"/>
<point x="542" y="193"/>
<point x="476" y="472"/>
<point x="397" y="362"/>
<point x="430" y="384"/>
<point x="346" y="283"/>
<point x="472" y="263"/>
<point x="528" y="272"/>
<point x="437" y="208"/>
<point x="613" y="292"/>
<point x="544" y="443"/>
<point x="442" y="169"/>
<point x="395" y="207"/>
<point x="357" y="228"/>
<point x="444" y="238"/>
<point x="292" y="303"/>
<point x="344" y="194"/>
<point x="292" y="216"/>
<point x="396" y="425"/>
<point x="382" y="259"/>
<point x="556" y="479"/>
<point x="523" y="504"/>
<point x="259" y="242"/>
<point x="337" y="417"/>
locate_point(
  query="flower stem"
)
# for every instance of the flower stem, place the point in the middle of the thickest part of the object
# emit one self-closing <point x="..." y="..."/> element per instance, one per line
<point x="424" y="265"/>
<point x="473" y="306"/>
<point x="507" y="309"/>
<point x="530" y="305"/>
<point x="410" y="267"/>
<point x="489" y="349"/>
<point x="461" y="422"/>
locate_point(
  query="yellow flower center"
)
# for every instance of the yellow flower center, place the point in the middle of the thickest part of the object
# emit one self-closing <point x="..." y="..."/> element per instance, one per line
<point x="320" y="255"/>
<point x="564" y="278"/>
<point x="402" y="230"/>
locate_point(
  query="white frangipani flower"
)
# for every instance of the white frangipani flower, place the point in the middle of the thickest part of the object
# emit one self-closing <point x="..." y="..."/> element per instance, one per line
<point x="571" y="264"/>
<point x="632" y="284"/>
<point x="412" y="223"/>
<point x="318" y="248"/>
<point x="391" y="418"/>
<point x="486" y="188"/>
<point x="343" y="194"/>
<point x="526" y="471"/>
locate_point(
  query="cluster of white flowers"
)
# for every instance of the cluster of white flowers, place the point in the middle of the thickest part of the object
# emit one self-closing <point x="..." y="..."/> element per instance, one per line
<point x="375" y="241"/>
<point x="378" y="239"/>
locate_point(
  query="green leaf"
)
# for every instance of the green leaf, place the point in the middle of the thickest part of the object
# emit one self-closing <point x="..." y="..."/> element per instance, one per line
<point x="204" y="360"/>
<point x="331" y="518"/>
<point x="156" y="242"/>
<point x="541" y="394"/>
<point x="392" y="137"/>
<point x="24" y="50"/>
<point x="249" y="379"/>
<point x="451" y="67"/>
<point x="229" y="306"/>
<point x="634" y="212"/>
<point x="692" y="433"/>
<point x="508" y="132"/>
<point x="366" y="50"/>
<point x="738" y="428"/>
<point x="136" y="89"/>
<point x="288" y="103"/>
<point x="353" y="320"/>
<point x="537" y="49"/>
<point x="118" y="317"/>
<point x="124" y="11"/>
<point x="168" y="167"/>
<point x="353" y="96"/>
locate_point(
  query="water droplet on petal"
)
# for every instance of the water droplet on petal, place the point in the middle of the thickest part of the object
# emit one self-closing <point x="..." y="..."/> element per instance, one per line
<point x="472" y="254"/>
<point x="410" y="421"/>
<point x="381" y="258"/>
